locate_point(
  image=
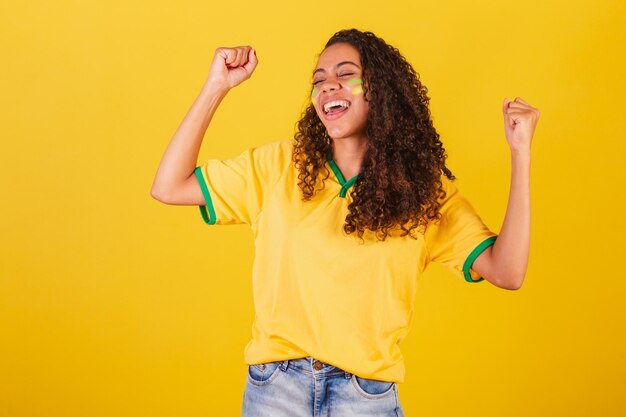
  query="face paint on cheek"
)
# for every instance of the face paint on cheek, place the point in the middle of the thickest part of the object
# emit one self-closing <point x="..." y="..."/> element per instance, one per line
<point x="314" y="95"/>
<point x="357" y="86"/>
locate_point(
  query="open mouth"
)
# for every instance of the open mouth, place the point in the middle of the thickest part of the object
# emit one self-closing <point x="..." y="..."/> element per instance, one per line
<point x="334" y="108"/>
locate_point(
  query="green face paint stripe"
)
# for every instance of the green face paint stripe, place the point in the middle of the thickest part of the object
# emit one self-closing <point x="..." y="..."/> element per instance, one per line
<point x="355" y="81"/>
<point x="314" y="95"/>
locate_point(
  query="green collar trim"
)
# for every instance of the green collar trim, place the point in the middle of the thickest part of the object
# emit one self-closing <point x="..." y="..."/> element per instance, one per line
<point x="344" y="184"/>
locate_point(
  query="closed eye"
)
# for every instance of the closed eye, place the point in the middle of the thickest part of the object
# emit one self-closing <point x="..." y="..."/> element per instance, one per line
<point x="347" y="74"/>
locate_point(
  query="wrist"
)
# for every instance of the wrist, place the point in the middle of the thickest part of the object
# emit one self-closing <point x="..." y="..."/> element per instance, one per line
<point x="520" y="152"/>
<point x="215" y="90"/>
<point x="520" y="161"/>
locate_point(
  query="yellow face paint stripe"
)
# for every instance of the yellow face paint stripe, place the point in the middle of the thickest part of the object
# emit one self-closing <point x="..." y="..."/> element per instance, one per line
<point x="358" y="89"/>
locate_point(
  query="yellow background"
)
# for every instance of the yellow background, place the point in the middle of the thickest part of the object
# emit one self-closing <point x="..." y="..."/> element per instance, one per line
<point x="113" y="304"/>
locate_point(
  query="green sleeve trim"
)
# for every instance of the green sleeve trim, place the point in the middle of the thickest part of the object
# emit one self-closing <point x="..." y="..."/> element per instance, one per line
<point x="207" y="216"/>
<point x="472" y="257"/>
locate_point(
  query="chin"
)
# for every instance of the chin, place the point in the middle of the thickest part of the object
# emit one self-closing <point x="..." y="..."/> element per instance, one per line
<point x="338" y="135"/>
<point x="336" y="132"/>
<point x="335" y="135"/>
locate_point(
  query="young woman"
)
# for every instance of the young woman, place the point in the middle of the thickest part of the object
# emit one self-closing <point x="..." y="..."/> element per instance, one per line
<point x="346" y="217"/>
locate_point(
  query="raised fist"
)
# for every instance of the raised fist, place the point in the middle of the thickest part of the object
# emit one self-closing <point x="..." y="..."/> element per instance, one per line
<point x="232" y="66"/>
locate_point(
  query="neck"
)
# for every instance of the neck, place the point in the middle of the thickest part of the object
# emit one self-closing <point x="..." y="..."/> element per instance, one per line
<point x="348" y="154"/>
<point x="349" y="149"/>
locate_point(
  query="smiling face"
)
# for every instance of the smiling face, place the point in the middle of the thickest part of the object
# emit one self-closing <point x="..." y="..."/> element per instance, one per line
<point x="337" y="92"/>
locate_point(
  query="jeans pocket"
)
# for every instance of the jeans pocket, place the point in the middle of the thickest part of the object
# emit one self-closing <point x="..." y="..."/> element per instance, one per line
<point x="372" y="388"/>
<point x="263" y="373"/>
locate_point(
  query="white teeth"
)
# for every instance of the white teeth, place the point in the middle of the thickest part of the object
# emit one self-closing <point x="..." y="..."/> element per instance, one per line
<point x="342" y="103"/>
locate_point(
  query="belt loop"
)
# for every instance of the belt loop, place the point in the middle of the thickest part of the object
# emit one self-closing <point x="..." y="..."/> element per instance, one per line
<point x="285" y="365"/>
<point x="347" y="375"/>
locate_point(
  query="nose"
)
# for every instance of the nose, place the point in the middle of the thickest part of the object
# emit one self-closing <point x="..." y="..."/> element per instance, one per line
<point x="330" y="84"/>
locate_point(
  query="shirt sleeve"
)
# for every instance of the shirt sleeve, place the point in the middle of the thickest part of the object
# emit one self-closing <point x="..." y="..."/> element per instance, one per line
<point x="235" y="189"/>
<point x="460" y="235"/>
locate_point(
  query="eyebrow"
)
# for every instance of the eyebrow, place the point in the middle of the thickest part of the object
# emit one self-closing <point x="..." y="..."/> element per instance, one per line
<point x="336" y="66"/>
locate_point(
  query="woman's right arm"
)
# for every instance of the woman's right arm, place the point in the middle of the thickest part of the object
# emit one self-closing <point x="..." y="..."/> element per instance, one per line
<point x="175" y="182"/>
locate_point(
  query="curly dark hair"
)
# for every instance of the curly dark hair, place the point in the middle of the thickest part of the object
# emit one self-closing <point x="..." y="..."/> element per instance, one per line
<point x="400" y="183"/>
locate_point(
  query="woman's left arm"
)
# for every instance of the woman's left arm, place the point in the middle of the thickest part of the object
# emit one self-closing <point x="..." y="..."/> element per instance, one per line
<point x="504" y="264"/>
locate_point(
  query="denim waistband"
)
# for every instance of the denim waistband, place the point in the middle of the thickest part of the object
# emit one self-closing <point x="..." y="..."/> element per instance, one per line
<point x="309" y="365"/>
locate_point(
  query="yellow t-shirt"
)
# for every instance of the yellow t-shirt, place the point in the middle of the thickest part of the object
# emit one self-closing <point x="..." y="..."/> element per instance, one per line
<point x="318" y="291"/>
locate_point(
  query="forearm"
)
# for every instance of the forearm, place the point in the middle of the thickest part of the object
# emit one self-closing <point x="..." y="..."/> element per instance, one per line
<point x="181" y="155"/>
<point x="511" y="249"/>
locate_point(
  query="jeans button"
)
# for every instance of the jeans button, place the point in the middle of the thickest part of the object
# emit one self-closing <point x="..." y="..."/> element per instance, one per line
<point x="318" y="365"/>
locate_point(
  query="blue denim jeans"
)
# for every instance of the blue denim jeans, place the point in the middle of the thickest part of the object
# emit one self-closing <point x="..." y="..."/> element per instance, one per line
<point x="306" y="387"/>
